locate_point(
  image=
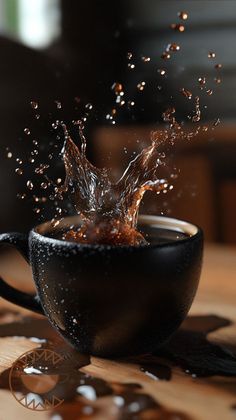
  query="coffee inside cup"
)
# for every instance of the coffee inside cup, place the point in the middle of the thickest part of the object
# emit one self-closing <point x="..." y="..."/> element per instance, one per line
<point x="154" y="230"/>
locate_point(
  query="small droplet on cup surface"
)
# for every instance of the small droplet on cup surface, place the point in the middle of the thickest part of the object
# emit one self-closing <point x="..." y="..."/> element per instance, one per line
<point x="30" y="185"/>
<point x="19" y="171"/>
<point x="27" y="131"/>
<point x="34" y="104"/>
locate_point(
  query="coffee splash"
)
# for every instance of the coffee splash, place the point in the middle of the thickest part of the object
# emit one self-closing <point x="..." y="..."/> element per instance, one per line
<point x="109" y="209"/>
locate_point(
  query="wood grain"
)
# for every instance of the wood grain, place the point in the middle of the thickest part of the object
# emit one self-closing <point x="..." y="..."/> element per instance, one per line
<point x="201" y="398"/>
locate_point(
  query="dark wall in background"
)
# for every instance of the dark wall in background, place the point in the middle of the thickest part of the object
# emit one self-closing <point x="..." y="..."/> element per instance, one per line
<point x="89" y="55"/>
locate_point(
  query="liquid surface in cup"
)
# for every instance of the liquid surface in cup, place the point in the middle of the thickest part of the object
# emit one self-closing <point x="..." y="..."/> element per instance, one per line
<point x="151" y="235"/>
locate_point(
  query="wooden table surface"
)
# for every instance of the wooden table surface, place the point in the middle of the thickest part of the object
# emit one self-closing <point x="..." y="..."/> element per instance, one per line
<point x="209" y="398"/>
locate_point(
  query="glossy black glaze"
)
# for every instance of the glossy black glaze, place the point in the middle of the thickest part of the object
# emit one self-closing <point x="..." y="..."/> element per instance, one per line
<point x="113" y="301"/>
<point x="20" y="242"/>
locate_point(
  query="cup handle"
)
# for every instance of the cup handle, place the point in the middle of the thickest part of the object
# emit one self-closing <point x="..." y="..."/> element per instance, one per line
<point x="32" y="302"/>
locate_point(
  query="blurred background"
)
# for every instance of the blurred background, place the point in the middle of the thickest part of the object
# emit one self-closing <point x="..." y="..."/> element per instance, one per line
<point x="62" y="50"/>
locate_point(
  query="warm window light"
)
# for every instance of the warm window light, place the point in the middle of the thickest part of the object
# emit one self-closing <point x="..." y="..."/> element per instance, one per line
<point x="35" y="23"/>
<point x="39" y="22"/>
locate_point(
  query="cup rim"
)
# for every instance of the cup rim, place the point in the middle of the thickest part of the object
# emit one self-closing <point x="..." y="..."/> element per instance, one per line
<point x="163" y="222"/>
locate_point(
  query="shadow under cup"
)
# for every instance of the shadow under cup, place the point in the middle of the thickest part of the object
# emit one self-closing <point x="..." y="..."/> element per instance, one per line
<point x="115" y="301"/>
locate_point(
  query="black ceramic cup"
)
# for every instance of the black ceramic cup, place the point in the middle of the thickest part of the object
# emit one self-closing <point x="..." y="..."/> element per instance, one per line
<point x="110" y="300"/>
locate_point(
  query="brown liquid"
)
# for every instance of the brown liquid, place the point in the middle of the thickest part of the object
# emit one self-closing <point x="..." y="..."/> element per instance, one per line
<point x="82" y="393"/>
<point x="188" y="348"/>
<point x="153" y="235"/>
<point x="109" y="209"/>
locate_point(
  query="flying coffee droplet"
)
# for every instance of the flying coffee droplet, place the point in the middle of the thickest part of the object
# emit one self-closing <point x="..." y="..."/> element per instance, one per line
<point x="131" y="66"/>
<point x="129" y="55"/>
<point x="31" y="160"/>
<point x="59" y="180"/>
<point x="55" y="223"/>
<point x="173" y="47"/>
<point x="37" y="116"/>
<point x="177" y="27"/>
<point x="36" y="210"/>
<point x="218" y="66"/>
<point x="183" y="15"/>
<point x="141" y="86"/>
<point x="131" y="103"/>
<point x="58" y="104"/>
<point x="117" y="87"/>
<point x="202" y="80"/>
<point x="165" y="56"/>
<point x="34" y="152"/>
<point x="18" y="160"/>
<point x="89" y="106"/>
<point x="35" y="142"/>
<point x="168" y="115"/>
<point x="44" y="185"/>
<point x="27" y="131"/>
<point x="186" y="93"/>
<point x="76" y="122"/>
<point x="30" y="185"/>
<point x="197" y="116"/>
<point x="146" y="59"/>
<point x="19" y="171"/>
<point x="41" y="169"/>
<point x="21" y="196"/>
<point x="162" y="72"/>
<point x="34" y="105"/>
<point x="9" y="155"/>
<point x="217" y="80"/>
<point x="209" y="92"/>
<point x="216" y="122"/>
<point x="211" y="54"/>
